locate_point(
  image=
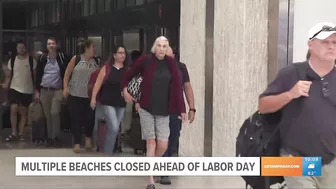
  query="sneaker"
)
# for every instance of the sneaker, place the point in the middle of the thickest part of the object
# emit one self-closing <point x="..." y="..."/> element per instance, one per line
<point x="21" y="138"/>
<point x="76" y="148"/>
<point x="150" y="186"/>
<point x="88" y="144"/>
<point x="165" y="180"/>
<point x="10" y="138"/>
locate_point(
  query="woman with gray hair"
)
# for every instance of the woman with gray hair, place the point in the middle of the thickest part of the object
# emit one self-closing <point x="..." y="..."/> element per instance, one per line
<point x="161" y="95"/>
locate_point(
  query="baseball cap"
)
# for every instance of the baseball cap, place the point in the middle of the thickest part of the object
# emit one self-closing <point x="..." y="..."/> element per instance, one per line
<point x="322" y="30"/>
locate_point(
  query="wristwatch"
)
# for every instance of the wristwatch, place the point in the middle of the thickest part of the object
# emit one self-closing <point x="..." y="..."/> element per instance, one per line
<point x="192" y="109"/>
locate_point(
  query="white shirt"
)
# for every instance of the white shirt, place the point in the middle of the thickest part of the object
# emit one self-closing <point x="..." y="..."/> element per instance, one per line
<point x="21" y="78"/>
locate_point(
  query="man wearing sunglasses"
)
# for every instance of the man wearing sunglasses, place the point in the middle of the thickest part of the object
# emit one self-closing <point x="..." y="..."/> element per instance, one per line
<point x="308" y="108"/>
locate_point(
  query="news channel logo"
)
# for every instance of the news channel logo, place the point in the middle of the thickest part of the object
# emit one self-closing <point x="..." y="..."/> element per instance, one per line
<point x="312" y="166"/>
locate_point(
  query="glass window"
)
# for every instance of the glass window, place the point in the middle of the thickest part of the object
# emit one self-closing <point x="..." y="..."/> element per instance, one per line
<point x="139" y="2"/>
<point x="93" y="7"/>
<point x="32" y="19"/>
<point x="54" y="13"/>
<point x="58" y="10"/>
<point x="71" y="10"/>
<point x="86" y="7"/>
<point x="107" y="5"/>
<point x="79" y="8"/>
<point x="121" y="4"/>
<point x="36" y="18"/>
<point x="41" y="17"/>
<point x="50" y="13"/>
<point x="131" y="39"/>
<point x="130" y="3"/>
<point x="100" y="5"/>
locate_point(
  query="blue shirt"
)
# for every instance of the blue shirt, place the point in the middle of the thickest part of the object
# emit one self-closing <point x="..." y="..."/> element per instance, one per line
<point x="52" y="74"/>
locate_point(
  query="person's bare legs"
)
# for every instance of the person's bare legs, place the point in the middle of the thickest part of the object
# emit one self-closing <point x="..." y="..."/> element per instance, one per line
<point x="14" y="108"/>
<point x="155" y="148"/>
<point x="151" y="152"/>
<point x="23" y="120"/>
<point x="161" y="147"/>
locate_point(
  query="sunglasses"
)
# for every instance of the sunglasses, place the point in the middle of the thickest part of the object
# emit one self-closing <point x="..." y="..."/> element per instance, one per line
<point x="324" y="28"/>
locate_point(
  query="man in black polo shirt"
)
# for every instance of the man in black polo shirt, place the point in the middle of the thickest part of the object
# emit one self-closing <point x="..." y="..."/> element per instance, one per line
<point x="175" y="123"/>
<point x="308" y="125"/>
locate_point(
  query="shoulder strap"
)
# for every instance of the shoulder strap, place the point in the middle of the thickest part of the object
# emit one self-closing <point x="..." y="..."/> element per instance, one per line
<point x="42" y="57"/>
<point x="107" y="70"/>
<point x="31" y="65"/>
<point x="78" y="58"/>
<point x="12" y="62"/>
<point x="96" y="60"/>
<point x="61" y="57"/>
<point x="301" y="69"/>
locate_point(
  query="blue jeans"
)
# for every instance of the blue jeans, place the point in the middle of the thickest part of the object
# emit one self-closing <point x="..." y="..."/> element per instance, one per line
<point x="175" y="125"/>
<point x="113" y="117"/>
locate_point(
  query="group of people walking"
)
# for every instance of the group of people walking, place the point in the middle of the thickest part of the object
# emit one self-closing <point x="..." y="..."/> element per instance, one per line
<point x="55" y="78"/>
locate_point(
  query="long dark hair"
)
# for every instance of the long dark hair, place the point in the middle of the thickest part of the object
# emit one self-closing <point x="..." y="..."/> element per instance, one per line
<point x="114" y="51"/>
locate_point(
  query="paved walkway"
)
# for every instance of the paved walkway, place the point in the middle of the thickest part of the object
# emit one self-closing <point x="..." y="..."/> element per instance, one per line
<point x="9" y="181"/>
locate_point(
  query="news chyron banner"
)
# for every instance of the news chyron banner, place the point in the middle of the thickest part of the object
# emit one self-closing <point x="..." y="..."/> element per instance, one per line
<point x="137" y="166"/>
<point x="291" y="166"/>
<point x="173" y="166"/>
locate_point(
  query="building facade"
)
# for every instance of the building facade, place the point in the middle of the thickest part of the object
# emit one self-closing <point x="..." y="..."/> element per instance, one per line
<point x="232" y="48"/>
<point x="133" y="23"/>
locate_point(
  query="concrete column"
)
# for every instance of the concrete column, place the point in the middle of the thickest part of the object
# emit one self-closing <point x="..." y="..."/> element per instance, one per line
<point x="192" y="47"/>
<point x="240" y="69"/>
<point x="240" y="55"/>
<point x="1" y="28"/>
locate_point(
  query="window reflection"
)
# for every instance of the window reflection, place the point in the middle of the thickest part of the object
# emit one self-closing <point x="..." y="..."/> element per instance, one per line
<point x="121" y="4"/>
<point x="107" y="5"/>
<point x="131" y="39"/>
<point x="130" y="3"/>
<point x="93" y="6"/>
<point x="101" y="4"/>
<point x="86" y="7"/>
<point x="139" y="2"/>
<point x="58" y="10"/>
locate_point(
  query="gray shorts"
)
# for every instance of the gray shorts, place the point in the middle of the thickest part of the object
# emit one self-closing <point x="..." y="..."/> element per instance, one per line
<point x="153" y="126"/>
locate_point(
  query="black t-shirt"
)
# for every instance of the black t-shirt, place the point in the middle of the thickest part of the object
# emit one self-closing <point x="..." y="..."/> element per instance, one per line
<point x="184" y="72"/>
<point x="160" y="89"/>
<point x="308" y="124"/>
<point x="110" y="91"/>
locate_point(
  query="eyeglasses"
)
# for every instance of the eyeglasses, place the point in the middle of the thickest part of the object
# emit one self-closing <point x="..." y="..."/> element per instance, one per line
<point x="324" y="28"/>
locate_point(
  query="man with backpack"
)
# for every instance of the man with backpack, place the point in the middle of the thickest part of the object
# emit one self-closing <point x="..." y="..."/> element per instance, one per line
<point x="308" y="108"/>
<point x="20" y="85"/>
<point x="49" y="83"/>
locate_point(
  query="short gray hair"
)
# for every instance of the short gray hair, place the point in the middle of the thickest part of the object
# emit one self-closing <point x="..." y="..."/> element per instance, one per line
<point x="161" y="38"/>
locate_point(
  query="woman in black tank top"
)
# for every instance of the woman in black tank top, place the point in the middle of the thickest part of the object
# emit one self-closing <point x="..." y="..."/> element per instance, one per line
<point x="107" y="99"/>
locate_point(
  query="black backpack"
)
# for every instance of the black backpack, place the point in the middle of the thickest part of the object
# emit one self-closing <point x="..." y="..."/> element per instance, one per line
<point x="259" y="136"/>
<point x="31" y="65"/>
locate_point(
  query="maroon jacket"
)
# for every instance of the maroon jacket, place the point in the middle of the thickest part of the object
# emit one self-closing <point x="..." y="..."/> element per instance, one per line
<point x="176" y="100"/>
